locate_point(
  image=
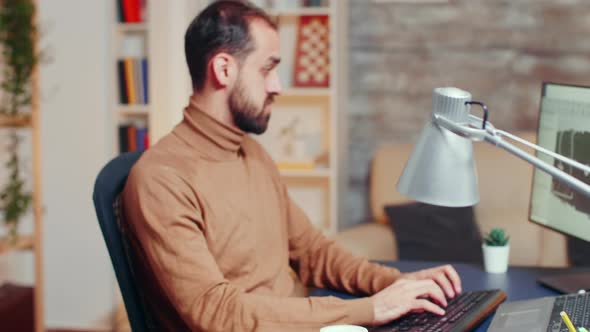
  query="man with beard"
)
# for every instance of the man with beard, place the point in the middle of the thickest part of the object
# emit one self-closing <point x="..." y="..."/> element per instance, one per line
<point x="217" y="242"/>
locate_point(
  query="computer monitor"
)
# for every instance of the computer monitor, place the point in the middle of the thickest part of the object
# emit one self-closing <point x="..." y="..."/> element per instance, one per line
<point x="564" y="128"/>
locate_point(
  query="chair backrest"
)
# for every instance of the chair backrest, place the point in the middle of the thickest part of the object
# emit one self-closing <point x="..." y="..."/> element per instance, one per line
<point x="109" y="184"/>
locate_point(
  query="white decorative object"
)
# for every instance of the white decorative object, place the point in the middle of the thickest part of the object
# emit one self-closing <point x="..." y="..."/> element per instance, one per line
<point x="495" y="258"/>
<point x="286" y="4"/>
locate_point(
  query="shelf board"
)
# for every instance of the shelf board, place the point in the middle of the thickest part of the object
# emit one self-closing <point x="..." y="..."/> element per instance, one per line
<point x="133" y="110"/>
<point x="15" y="121"/>
<point x="304" y="173"/>
<point x="24" y="242"/>
<point x="306" y="92"/>
<point x="132" y="27"/>
<point x="302" y="11"/>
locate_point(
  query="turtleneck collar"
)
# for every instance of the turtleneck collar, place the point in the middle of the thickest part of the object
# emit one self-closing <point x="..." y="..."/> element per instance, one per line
<point x="212" y="138"/>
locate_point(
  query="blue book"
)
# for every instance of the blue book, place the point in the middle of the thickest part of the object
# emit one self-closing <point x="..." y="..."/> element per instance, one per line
<point x="141" y="134"/>
<point x="144" y="75"/>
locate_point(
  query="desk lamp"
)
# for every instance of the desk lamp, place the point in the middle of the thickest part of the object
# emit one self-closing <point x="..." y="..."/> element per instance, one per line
<point x="441" y="169"/>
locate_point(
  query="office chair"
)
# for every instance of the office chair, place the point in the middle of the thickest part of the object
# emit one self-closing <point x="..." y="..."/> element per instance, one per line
<point x="109" y="184"/>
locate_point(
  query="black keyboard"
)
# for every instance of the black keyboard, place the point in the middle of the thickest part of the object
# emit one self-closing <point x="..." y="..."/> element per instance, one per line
<point x="577" y="307"/>
<point x="463" y="313"/>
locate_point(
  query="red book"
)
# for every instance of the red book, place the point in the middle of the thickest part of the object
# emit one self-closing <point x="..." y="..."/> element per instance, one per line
<point x="131" y="11"/>
<point x="132" y="138"/>
<point x="146" y="141"/>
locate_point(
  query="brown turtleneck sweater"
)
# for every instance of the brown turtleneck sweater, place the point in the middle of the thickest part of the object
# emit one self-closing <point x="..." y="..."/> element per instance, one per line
<point x="215" y="236"/>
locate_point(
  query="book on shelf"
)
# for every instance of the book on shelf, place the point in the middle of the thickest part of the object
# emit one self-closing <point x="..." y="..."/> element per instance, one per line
<point x="131" y="11"/>
<point x="133" y="138"/>
<point x="132" y="74"/>
<point x="315" y="3"/>
<point x="142" y="139"/>
<point x="122" y="83"/>
<point x="144" y="77"/>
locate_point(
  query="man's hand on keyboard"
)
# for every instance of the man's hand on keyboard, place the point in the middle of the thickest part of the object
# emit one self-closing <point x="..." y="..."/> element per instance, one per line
<point x="405" y="296"/>
<point x="445" y="276"/>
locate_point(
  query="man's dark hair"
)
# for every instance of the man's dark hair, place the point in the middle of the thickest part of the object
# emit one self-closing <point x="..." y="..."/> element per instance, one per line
<point x="221" y="27"/>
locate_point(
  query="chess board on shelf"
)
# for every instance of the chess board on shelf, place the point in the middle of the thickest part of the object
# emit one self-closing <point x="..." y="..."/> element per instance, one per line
<point x="312" y="52"/>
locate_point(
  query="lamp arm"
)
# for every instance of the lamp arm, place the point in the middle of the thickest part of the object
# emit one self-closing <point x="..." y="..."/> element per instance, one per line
<point x="550" y="169"/>
<point x="494" y="136"/>
<point x="557" y="156"/>
<point x="462" y="129"/>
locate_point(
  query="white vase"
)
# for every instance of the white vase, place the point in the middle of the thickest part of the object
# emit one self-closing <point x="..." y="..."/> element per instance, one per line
<point x="495" y="259"/>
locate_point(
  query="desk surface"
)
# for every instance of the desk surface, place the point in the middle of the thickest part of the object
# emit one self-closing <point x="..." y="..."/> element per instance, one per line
<point x="519" y="283"/>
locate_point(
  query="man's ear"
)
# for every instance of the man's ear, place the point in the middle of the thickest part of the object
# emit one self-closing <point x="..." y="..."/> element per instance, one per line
<point x="224" y="70"/>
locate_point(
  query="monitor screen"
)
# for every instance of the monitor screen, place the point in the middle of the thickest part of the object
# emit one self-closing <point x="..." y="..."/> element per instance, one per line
<point x="564" y="128"/>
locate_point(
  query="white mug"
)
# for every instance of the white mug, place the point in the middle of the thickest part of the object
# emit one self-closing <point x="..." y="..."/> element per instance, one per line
<point x="343" y="328"/>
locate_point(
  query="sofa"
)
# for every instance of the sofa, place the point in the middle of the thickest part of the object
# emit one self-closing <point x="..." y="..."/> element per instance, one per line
<point x="504" y="187"/>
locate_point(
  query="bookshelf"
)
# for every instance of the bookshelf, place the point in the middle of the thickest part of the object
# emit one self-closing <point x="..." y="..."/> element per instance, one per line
<point x="131" y="73"/>
<point x="318" y="189"/>
<point x="315" y="171"/>
<point x="319" y="186"/>
<point x="15" y="121"/>
<point x="24" y="242"/>
<point x="130" y="39"/>
<point x="32" y="240"/>
<point x="330" y="175"/>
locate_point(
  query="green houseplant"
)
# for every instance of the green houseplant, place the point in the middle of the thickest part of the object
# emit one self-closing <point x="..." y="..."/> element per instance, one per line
<point x="496" y="238"/>
<point x="18" y="59"/>
<point x="496" y="250"/>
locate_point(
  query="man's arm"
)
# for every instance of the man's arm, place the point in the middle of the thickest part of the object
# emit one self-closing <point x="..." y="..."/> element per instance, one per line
<point x="320" y="262"/>
<point x="164" y="215"/>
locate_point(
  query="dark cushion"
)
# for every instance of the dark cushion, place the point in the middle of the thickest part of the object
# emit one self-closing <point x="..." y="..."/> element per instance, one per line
<point x="578" y="251"/>
<point x="435" y="233"/>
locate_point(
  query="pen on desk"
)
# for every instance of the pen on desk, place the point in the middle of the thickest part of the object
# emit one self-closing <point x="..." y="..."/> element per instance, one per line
<point x="567" y="321"/>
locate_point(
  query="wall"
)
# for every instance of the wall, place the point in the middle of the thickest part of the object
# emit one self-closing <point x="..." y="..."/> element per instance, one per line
<point x="500" y="51"/>
<point x="169" y="93"/>
<point x="76" y="143"/>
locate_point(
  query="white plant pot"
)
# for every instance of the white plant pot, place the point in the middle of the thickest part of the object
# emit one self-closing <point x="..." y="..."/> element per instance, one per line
<point x="495" y="259"/>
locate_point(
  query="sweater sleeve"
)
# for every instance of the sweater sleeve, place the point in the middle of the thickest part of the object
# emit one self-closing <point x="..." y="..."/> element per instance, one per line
<point x="320" y="262"/>
<point x="164" y="215"/>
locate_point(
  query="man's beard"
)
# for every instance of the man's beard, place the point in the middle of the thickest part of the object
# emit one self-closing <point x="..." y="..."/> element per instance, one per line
<point x="246" y="114"/>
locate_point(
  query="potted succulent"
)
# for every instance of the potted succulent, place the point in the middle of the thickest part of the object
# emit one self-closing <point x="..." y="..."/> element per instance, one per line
<point x="496" y="250"/>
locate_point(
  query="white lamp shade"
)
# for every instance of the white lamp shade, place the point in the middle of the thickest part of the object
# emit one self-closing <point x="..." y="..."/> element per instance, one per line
<point x="441" y="170"/>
